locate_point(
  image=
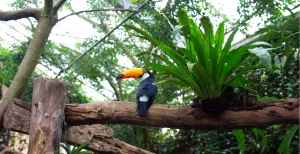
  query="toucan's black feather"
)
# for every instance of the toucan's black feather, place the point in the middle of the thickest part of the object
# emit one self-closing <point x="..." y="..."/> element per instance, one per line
<point x="146" y="88"/>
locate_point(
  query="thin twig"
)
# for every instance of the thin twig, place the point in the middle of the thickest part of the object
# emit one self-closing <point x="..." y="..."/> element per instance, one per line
<point x="19" y="14"/>
<point x="58" y="5"/>
<point x="12" y="27"/>
<point x="67" y="36"/>
<point x="97" y="10"/>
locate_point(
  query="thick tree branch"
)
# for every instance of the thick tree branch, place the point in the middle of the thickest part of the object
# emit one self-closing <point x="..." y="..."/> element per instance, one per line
<point x="276" y="112"/>
<point x="115" y="88"/>
<point x="19" y="14"/>
<point x="100" y="137"/>
<point x="58" y="5"/>
<point x="97" y="10"/>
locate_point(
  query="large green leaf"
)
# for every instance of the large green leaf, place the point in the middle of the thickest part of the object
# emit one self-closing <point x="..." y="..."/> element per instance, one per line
<point x="174" y="55"/>
<point x="189" y="55"/>
<point x="164" y="59"/>
<point x="191" y="48"/>
<point x="222" y="60"/>
<point x="262" y="43"/>
<point x="289" y="60"/>
<point x="81" y="147"/>
<point x="202" y="78"/>
<point x="264" y="55"/>
<point x="202" y="51"/>
<point x="140" y="31"/>
<point x="285" y="144"/>
<point x="184" y="21"/>
<point x="260" y="133"/>
<point x="240" y="82"/>
<point x="208" y="30"/>
<point x="239" y="134"/>
<point x="219" y="40"/>
<point x="234" y="60"/>
<point x="172" y="81"/>
<point x="177" y="72"/>
<point x="227" y="46"/>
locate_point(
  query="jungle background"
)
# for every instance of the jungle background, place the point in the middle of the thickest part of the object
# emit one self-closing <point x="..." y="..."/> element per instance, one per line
<point x="93" y="78"/>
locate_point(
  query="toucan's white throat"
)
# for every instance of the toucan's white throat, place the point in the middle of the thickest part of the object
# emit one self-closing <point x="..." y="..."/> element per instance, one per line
<point x="145" y="76"/>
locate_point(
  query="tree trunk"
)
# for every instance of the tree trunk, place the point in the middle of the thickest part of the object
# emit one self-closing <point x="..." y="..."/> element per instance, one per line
<point x="48" y="102"/>
<point x="3" y="87"/>
<point x="100" y="137"/>
<point x="30" y="60"/>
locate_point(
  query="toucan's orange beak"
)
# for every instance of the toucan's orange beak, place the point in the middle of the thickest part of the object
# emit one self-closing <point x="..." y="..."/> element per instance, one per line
<point x="131" y="73"/>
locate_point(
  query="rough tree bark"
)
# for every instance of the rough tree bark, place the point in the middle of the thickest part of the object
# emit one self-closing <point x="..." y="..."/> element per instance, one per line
<point x="100" y="137"/>
<point x="47" y="17"/>
<point x="48" y="102"/>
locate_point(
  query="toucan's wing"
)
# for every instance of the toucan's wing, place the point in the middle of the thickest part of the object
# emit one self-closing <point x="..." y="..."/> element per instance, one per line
<point x="146" y="89"/>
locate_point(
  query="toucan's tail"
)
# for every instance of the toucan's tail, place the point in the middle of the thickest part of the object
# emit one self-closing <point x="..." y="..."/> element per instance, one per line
<point x="142" y="108"/>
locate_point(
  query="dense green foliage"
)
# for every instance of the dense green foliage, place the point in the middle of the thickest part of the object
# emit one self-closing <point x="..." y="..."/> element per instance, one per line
<point x="11" y="60"/>
<point x="203" y="64"/>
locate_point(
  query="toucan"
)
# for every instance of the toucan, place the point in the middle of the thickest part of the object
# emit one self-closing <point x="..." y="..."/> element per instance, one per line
<point x="146" y="92"/>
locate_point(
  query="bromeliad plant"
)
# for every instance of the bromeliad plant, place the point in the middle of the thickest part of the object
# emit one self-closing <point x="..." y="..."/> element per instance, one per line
<point x="204" y="64"/>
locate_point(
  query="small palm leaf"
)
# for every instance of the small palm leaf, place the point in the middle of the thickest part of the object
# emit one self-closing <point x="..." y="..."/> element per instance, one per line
<point x="81" y="147"/>
<point x="189" y="55"/>
<point x="208" y="30"/>
<point x="175" y="56"/>
<point x="140" y="31"/>
<point x="240" y="82"/>
<point x="201" y="76"/>
<point x="172" y="81"/>
<point x="234" y="61"/>
<point x="264" y="55"/>
<point x="200" y="45"/>
<point x="285" y="144"/>
<point x="184" y="21"/>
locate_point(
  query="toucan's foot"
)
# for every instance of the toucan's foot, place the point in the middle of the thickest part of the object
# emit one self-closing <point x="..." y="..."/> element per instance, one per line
<point x="142" y="114"/>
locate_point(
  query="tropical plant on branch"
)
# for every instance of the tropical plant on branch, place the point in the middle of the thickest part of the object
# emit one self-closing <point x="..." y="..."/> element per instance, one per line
<point x="205" y="63"/>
